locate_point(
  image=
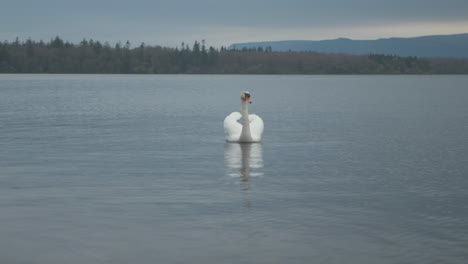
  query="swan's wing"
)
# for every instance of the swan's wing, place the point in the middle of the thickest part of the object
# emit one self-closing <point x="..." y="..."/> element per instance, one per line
<point x="232" y="128"/>
<point x="256" y="127"/>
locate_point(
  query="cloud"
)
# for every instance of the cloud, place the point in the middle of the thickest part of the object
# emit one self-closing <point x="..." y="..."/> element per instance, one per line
<point x="169" y="22"/>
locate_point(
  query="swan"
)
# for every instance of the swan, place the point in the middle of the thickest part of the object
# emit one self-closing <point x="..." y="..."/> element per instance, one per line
<point x="251" y="129"/>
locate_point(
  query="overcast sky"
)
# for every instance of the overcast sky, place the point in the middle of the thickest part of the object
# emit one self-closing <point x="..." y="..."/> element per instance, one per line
<point x="220" y="22"/>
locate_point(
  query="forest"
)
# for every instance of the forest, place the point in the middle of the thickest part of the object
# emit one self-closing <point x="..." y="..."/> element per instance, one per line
<point x="90" y="56"/>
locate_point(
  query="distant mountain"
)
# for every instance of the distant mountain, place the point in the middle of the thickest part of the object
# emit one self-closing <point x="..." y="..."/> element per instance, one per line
<point x="451" y="46"/>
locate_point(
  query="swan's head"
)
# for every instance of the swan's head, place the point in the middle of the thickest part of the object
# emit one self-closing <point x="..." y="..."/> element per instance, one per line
<point x="245" y="96"/>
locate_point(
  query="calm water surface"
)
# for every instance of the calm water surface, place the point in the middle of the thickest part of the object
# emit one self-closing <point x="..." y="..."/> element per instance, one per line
<point x="134" y="169"/>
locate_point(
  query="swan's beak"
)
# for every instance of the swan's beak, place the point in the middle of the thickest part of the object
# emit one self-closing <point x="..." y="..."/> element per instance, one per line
<point x="248" y="100"/>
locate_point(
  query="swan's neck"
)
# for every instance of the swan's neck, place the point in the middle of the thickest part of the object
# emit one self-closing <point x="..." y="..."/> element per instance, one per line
<point x="245" y="135"/>
<point x="245" y="115"/>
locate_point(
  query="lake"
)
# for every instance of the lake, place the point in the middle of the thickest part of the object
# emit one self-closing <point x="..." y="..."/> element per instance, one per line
<point x="135" y="169"/>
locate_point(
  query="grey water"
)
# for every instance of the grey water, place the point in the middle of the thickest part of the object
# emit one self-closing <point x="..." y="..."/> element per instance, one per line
<point x="135" y="169"/>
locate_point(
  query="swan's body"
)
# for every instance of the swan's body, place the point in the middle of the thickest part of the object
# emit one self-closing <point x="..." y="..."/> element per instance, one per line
<point x="250" y="130"/>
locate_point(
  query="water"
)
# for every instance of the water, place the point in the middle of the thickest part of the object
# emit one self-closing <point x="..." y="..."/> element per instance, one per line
<point x="134" y="169"/>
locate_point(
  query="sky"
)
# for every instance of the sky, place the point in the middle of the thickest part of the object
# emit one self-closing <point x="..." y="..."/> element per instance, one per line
<point x="221" y="23"/>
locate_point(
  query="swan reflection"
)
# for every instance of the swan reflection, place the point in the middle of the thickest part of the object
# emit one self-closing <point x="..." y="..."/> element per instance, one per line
<point x="244" y="161"/>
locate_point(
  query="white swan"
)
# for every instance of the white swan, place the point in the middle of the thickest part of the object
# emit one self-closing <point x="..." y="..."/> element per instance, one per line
<point x="251" y="129"/>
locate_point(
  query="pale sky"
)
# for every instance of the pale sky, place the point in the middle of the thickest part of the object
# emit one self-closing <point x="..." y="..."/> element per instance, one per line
<point x="220" y="22"/>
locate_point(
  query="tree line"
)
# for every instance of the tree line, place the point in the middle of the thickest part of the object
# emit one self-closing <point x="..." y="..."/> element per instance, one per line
<point x="90" y="56"/>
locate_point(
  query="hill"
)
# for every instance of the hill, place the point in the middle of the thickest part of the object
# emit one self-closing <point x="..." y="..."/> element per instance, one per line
<point x="90" y="56"/>
<point x="437" y="46"/>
